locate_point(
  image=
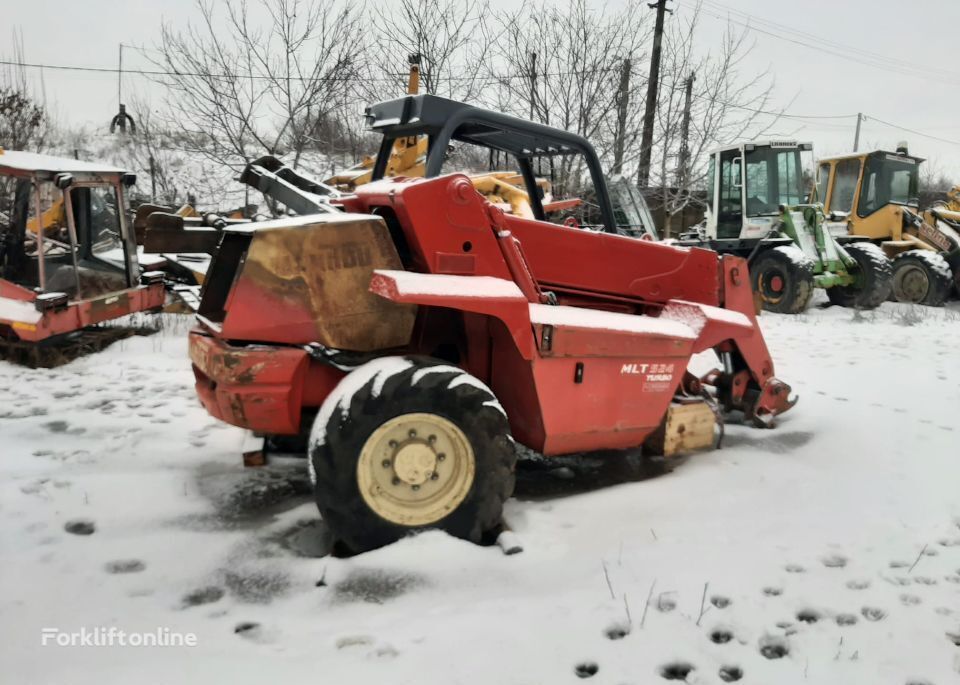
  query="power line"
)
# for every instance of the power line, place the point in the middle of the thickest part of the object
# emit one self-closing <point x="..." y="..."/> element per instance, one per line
<point x="493" y="78"/>
<point x="841" y="50"/>
<point x="914" y="132"/>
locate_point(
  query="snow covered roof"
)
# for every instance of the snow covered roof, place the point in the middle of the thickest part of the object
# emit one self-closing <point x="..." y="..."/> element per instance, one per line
<point x="764" y="143"/>
<point x="14" y="160"/>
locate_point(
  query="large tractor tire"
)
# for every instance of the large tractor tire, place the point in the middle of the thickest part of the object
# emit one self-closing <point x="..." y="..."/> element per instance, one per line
<point x="921" y="277"/>
<point x="874" y="280"/>
<point x="783" y="277"/>
<point x="409" y="443"/>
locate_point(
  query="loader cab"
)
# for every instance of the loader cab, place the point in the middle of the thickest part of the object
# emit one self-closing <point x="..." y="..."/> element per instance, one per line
<point x="868" y="189"/>
<point x="462" y="137"/>
<point x="748" y="184"/>
<point x="63" y="227"/>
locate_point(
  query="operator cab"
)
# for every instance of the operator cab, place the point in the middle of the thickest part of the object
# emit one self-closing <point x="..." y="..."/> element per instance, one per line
<point x="747" y="185"/>
<point x="887" y="178"/>
<point x="63" y="227"/>
<point x="493" y="141"/>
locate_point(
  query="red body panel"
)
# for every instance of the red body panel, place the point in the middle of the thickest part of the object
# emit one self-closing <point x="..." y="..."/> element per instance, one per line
<point x="570" y="378"/>
<point x="263" y="388"/>
<point x="81" y="313"/>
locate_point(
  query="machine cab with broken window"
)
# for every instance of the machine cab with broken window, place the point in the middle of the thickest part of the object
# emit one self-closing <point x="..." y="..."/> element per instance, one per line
<point x="68" y="258"/>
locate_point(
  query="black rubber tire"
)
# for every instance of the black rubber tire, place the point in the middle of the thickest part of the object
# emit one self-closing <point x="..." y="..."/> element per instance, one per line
<point x="874" y="281"/>
<point x="795" y="271"/>
<point x="472" y="408"/>
<point x="939" y="280"/>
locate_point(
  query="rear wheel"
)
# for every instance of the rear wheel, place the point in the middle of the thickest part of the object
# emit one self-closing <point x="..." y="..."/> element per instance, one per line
<point x="874" y="278"/>
<point x="921" y="277"/>
<point x="783" y="277"/>
<point x="408" y="444"/>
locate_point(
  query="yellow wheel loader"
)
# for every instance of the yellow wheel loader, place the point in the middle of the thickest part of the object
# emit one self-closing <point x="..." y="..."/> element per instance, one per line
<point x="874" y="195"/>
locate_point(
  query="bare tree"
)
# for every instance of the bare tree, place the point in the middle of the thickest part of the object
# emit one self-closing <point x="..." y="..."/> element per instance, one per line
<point x="25" y="122"/>
<point x="561" y="65"/>
<point x="260" y="79"/>
<point x="728" y="103"/>
<point x="451" y="38"/>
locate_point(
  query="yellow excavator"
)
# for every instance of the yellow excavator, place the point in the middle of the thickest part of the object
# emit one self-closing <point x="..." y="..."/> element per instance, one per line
<point x="874" y="196"/>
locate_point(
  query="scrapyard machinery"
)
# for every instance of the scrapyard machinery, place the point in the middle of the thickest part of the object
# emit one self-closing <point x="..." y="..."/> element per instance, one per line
<point x="758" y="209"/>
<point x="418" y="330"/>
<point x="68" y="258"/>
<point x="874" y="196"/>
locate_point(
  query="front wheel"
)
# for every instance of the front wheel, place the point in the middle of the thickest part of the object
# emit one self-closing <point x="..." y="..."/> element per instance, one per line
<point x="874" y="278"/>
<point x="406" y="443"/>
<point x="921" y="277"/>
<point x="783" y="277"/>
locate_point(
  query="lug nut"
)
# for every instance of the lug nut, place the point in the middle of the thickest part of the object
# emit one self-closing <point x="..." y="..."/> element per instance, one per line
<point x="415" y="487"/>
<point x="441" y="456"/>
<point x="385" y="463"/>
<point x="412" y="433"/>
<point x="432" y="439"/>
<point x="396" y="481"/>
<point x="434" y="475"/>
<point x="392" y="443"/>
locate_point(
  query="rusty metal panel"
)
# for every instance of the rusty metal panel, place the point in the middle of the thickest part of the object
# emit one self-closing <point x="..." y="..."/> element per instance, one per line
<point x="306" y="279"/>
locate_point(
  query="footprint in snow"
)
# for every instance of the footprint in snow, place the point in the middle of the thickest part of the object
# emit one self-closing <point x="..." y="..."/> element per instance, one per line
<point x="204" y="595"/>
<point x="910" y="600"/>
<point x="846" y="619"/>
<point x="617" y="631"/>
<point x="354" y="641"/>
<point x="808" y="616"/>
<point x="678" y="670"/>
<point x="794" y="568"/>
<point x="772" y="591"/>
<point x="586" y="669"/>
<point x="772" y="647"/>
<point x="925" y="580"/>
<point x="873" y="613"/>
<point x="80" y="527"/>
<point x="834" y="561"/>
<point x="730" y="674"/>
<point x="720" y="601"/>
<point x="899" y="563"/>
<point x="124" y="566"/>
<point x="720" y="636"/>
<point x="858" y="584"/>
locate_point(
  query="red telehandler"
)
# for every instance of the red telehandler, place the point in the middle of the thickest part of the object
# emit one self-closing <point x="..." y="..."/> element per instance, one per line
<point x="416" y="330"/>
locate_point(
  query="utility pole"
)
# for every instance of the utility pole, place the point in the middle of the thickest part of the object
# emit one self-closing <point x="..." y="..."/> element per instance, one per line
<point x="646" y="142"/>
<point x="533" y="84"/>
<point x="856" y="136"/>
<point x="685" y="135"/>
<point x="623" y="101"/>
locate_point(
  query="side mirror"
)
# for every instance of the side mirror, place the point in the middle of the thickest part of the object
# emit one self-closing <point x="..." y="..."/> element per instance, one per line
<point x="63" y="181"/>
<point x="128" y="179"/>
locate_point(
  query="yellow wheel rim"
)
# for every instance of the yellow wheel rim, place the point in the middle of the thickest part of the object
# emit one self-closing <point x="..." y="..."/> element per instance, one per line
<point x="415" y="469"/>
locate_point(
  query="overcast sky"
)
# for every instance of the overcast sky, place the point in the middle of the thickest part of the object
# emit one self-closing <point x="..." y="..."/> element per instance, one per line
<point x="921" y="34"/>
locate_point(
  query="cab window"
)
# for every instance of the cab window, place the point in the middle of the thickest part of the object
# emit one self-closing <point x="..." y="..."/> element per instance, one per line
<point x="844" y="185"/>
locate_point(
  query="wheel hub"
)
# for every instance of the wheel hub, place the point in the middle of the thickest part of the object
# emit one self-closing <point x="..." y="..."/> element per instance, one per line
<point x="415" y="469"/>
<point x="414" y="463"/>
<point x="913" y="284"/>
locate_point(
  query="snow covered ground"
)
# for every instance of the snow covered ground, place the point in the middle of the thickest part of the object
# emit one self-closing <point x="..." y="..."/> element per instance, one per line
<point x="824" y="551"/>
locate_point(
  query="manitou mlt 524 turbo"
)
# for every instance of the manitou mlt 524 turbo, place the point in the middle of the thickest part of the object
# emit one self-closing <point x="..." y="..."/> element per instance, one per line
<point x="418" y="330"/>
